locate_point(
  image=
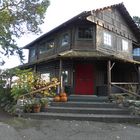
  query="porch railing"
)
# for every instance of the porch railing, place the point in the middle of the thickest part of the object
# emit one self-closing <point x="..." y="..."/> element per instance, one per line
<point x="128" y="92"/>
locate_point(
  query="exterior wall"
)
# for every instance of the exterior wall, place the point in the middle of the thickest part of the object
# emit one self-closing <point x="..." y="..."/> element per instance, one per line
<point x="116" y="46"/>
<point x="119" y="73"/>
<point x="74" y="41"/>
<point x="111" y="21"/>
<point x="85" y="44"/>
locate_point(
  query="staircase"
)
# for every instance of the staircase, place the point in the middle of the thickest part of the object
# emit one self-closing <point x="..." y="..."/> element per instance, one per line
<point x="86" y="108"/>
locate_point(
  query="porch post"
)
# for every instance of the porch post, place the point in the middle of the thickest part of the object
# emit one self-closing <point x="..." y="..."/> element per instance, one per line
<point x="139" y="80"/>
<point x="60" y="75"/>
<point x="35" y="68"/>
<point x="109" y="77"/>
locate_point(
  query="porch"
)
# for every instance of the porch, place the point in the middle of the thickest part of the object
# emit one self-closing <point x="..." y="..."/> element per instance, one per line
<point x="90" y="76"/>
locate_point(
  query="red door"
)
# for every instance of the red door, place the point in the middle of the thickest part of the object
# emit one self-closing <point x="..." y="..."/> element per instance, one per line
<point x="84" y="83"/>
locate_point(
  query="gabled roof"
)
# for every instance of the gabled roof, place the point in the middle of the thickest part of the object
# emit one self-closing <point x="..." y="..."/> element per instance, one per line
<point x="121" y="8"/>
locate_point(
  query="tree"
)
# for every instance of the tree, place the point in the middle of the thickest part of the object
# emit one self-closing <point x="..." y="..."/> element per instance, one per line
<point x="18" y="17"/>
<point x="137" y="20"/>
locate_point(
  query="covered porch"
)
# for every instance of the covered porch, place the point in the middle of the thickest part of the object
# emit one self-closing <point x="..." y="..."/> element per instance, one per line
<point x="97" y="73"/>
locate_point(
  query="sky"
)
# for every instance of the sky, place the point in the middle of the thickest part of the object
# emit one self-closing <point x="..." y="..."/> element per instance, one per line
<point x="60" y="11"/>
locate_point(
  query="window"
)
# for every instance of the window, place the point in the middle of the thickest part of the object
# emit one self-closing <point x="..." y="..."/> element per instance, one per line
<point x="50" y="44"/>
<point x="46" y="76"/>
<point x="65" y="76"/>
<point x="32" y="54"/>
<point x="125" y="45"/>
<point x="107" y="39"/>
<point x="136" y="52"/>
<point x="42" y="49"/>
<point x="85" y="32"/>
<point x="65" y="40"/>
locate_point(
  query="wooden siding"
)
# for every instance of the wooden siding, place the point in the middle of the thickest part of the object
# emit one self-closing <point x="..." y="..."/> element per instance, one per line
<point x="116" y="46"/>
<point x="112" y="20"/>
<point x="85" y="44"/>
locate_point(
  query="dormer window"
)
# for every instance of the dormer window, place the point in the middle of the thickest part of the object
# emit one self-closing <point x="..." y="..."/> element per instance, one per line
<point x="65" y="40"/>
<point x="125" y="45"/>
<point x="107" y="39"/>
<point x="85" y="32"/>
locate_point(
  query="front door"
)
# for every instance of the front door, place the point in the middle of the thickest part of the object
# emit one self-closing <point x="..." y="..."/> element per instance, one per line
<point x="84" y="83"/>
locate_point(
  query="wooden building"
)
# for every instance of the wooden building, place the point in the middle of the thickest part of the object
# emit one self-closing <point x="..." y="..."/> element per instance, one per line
<point x="90" y="52"/>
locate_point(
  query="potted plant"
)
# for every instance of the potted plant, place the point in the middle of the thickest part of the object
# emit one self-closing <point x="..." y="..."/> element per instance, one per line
<point x="44" y="104"/>
<point x="28" y="108"/>
<point x="36" y="106"/>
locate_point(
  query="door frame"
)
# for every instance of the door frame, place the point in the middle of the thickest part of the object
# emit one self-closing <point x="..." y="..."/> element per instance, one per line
<point x="75" y="78"/>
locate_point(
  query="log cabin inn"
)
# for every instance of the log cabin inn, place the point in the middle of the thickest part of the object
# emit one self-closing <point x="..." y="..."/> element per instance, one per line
<point x="93" y="53"/>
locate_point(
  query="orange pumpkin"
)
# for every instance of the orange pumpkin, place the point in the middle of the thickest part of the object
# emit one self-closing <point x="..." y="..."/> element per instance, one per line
<point x="63" y="94"/>
<point x="57" y="98"/>
<point x="63" y="98"/>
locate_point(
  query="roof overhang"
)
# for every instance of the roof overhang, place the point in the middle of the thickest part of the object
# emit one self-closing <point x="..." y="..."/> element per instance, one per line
<point x="95" y="55"/>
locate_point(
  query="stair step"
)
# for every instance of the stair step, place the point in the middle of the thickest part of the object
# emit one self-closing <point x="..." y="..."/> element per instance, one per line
<point x="84" y="104"/>
<point x="84" y="117"/>
<point x="92" y="98"/>
<point x="86" y="110"/>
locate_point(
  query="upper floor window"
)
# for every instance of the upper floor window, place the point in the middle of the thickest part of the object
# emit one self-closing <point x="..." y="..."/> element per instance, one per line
<point x="125" y="45"/>
<point x="107" y="39"/>
<point x="85" y="32"/>
<point x="32" y="54"/>
<point x="50" y="44"/>
<point x="65" y="40"/>
<point x="44" y="47"/>
<point x="136" y="52"/>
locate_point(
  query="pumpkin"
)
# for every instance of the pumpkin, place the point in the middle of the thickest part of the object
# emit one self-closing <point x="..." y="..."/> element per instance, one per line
<point x="57" y="98"/>
<point x="63" y="98"/>
<point x="63" y="94"/>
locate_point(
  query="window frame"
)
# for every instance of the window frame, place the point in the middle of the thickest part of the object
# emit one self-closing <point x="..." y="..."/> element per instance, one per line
<point x="31" y="56"/>
<point x="136" y="52"/>
<point x="125" y="44"/>
<point x="84" y="34"/>
<point x="107" y="39"/>
<point x="46" y="47"/>
<point x="66" y="40"/>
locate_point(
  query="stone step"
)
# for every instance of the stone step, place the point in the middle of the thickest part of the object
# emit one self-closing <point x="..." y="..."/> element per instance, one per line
<point x="84" y="117"/>
<point x="81" y="110"/>
<point x="87" y="98"/>
<point x="84" y="104"/>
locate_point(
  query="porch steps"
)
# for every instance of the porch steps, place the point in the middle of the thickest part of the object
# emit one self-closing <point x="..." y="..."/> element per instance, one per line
<point x="84" y="104"/>
<point x="80" y="108"/>
<point x="85" y="117"/>
<point x="87" y="98"/>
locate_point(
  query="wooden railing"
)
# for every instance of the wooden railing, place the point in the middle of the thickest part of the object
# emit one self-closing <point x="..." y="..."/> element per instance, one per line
<point x="115" y="84"/>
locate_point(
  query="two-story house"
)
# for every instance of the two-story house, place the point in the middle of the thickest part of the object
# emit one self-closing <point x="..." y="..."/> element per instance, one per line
<point x="89" y="52"/>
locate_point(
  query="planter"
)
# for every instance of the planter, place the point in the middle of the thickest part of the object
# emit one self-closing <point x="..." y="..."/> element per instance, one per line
<point x="36" y="108"/>
<point x="44" y="108"/>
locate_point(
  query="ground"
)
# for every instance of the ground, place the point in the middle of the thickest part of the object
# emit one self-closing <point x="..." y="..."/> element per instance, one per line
<point x="12" y="128"/>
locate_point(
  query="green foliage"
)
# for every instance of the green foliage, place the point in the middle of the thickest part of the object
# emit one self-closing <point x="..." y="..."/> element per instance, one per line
<point x="23" y="84"/>
<point x="18" y="17"/>
<point x="137" y="20"/>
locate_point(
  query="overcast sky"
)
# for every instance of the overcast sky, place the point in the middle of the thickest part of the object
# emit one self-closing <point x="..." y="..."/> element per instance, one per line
<point x="61" y="10"/>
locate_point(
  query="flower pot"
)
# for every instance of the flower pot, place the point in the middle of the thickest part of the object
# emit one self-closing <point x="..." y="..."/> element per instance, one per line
<point x="44" y="108"/>
<point x="36" y="108"/>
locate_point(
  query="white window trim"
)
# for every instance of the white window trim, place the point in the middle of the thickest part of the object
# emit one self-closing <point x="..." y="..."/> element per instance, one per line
<point x="125" y="45"/>
<point x="107" y="39"/>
